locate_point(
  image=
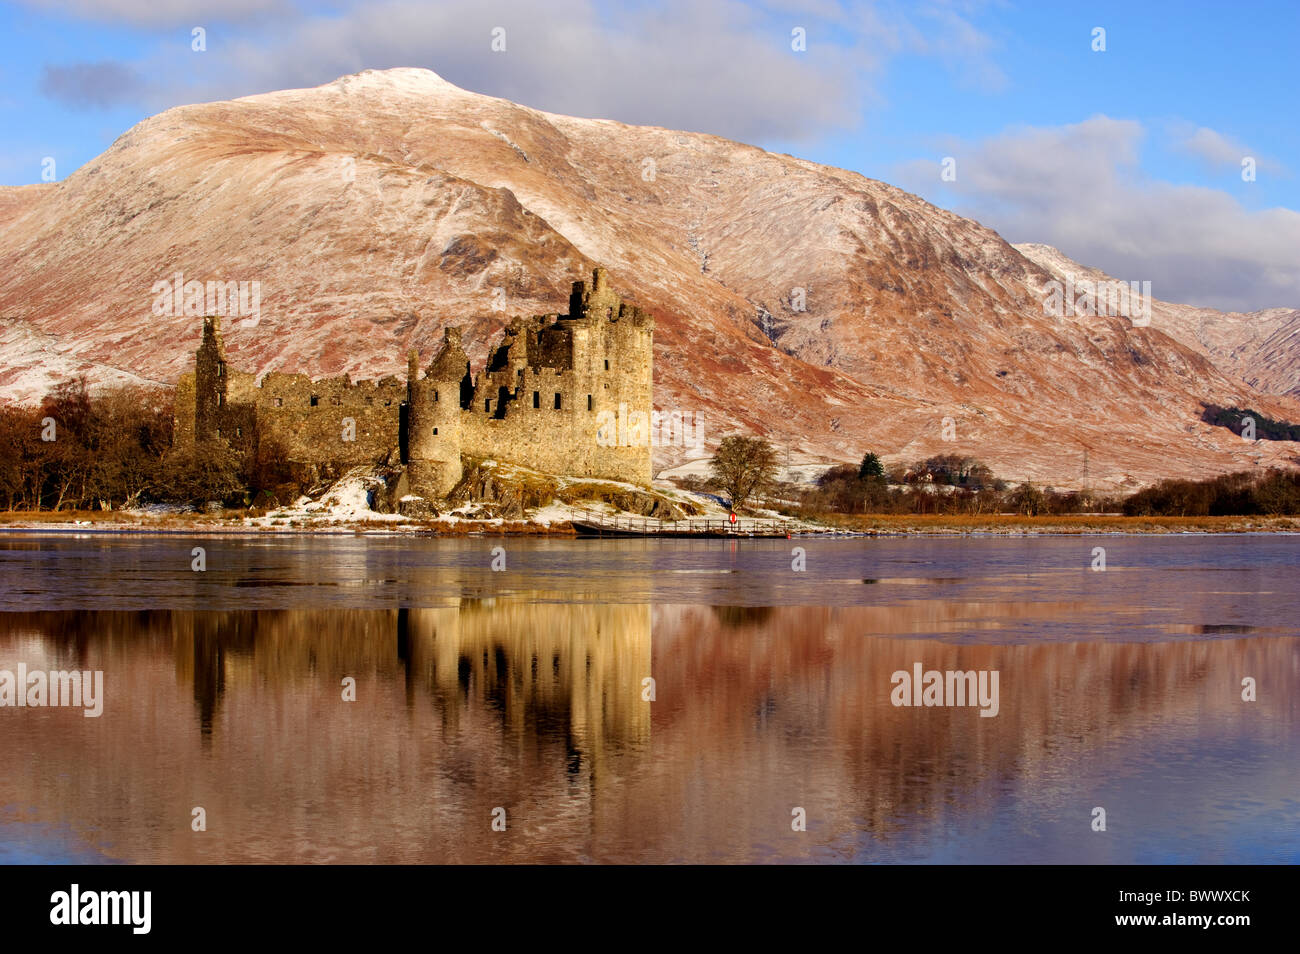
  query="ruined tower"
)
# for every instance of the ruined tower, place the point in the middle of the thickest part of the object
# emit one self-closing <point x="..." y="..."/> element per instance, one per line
<point x="433" y="419"/>
<point x="569" y="394"/>
<point x="210" y="380"/>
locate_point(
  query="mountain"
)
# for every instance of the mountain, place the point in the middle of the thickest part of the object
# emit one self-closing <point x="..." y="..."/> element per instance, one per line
<point x="831" y="312"/>
<point x="1261" y="348"/>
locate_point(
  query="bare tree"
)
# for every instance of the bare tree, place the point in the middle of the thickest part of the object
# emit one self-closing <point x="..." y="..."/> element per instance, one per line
<point x="1028" y="500"/>
<point x="742" y="467"/>
<point x="202" y="472"/>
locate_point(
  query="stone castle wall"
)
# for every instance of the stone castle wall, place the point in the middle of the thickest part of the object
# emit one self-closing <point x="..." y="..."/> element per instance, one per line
<point x="330" y="420"/>
<point x="538" y="402"/>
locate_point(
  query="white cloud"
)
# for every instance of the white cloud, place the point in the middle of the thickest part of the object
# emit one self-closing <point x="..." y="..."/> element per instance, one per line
<point x="942" y="31"/>
<point x="1214" y="147"/>
<point x="1217" y="150"/>
<point x="168" y="13"/>
<point x="724" y="67"/>
<point x="1080" y="187"/>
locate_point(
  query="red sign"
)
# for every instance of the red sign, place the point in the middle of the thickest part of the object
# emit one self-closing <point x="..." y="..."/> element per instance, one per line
<point x="733" y="518"/>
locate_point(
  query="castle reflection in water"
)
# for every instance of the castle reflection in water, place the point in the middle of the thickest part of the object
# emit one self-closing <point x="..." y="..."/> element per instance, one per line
<point x="541" y="707"/>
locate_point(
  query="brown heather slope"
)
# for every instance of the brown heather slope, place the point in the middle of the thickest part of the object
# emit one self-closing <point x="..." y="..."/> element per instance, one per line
<point x="1261" y="348"/>
<point x="379" y="207"/>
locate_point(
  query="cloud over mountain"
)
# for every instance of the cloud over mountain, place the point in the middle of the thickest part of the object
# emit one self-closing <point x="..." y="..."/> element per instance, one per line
<point x="1080" y="188"/>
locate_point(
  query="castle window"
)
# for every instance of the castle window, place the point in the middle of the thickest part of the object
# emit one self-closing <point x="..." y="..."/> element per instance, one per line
<point x="221" y="368"/>
<point x="557" y="400"/>
<point x="435" y="432"/>
<point x="435" y="397"/>
<point x="487" y="404"/>
<point x="315" y="400"/>
<point x="218" y="432"/>
<point x="279" y="402"/>
<point x="239" y="432"/>
<point x="537" y="399"/>
<point x="221" y="399"/>
<point x="588" y="402"/>
<point x="607" y="364"/>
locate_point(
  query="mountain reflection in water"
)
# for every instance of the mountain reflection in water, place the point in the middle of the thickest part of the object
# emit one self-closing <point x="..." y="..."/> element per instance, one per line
<point x="542" y="705"/>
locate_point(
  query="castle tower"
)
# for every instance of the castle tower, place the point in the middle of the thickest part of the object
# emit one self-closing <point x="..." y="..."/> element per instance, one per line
<point x="209" y="381"/>
<point x="634" y="337"/>
<point x="433" y="419"/>
<point x="595" y="301"/>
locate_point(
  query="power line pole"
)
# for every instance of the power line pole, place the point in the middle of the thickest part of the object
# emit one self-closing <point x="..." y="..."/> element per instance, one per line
<point x="1087" y="488"/>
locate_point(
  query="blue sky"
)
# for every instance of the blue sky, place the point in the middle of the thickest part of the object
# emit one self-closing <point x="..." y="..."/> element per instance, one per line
<point x="1128" y="158"/>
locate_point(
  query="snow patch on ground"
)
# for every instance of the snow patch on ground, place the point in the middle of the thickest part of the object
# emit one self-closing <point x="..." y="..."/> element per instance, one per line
<point x="698" y="467"/>
<point x="158" y="509"/>
<point x="468" y="512"/>
<point x="796" y="472"/>
<point x="33" y="363"/>
<point x="553" y="513"/>
<point x="351" y="499"/>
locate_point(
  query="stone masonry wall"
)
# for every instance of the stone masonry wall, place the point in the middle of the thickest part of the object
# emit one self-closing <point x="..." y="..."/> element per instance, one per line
<point x="538" y="402"/>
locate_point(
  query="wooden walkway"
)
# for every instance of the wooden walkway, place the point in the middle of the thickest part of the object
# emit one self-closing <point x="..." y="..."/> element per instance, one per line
<point x="591" y="524"/>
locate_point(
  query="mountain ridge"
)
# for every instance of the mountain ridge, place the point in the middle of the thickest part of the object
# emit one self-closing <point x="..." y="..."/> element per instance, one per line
<point x="1261" y="348"/>
<point x="832" y="312"/>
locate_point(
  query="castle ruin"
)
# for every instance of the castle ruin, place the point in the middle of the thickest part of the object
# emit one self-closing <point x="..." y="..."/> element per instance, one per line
<point x="539" y="402"/>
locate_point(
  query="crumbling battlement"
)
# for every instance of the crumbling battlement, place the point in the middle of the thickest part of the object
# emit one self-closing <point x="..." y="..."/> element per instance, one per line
<point x="536" y="403"/>
<point x="330" y="420"/>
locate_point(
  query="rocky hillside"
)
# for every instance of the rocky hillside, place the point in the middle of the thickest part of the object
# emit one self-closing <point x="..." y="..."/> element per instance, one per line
<point x="832" y="312"/>
<point x="1261" y="348"/>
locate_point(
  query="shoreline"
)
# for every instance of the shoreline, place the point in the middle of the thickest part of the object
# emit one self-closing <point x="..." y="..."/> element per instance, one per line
<point x="1067" y="524"/>
<point x="73" y="523"/>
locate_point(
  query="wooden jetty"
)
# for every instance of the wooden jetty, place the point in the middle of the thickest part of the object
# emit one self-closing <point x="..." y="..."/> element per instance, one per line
<point x="591" y="524"/>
